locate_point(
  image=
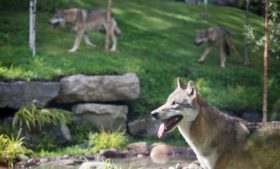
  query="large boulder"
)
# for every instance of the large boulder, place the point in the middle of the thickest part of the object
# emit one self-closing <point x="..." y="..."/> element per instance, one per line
<point x="52" y="134"/>
<point x="108" y="117"/>
<point x="16" y="94"/>
<point x="144" y="127"/>
<point x="79" y="88"/>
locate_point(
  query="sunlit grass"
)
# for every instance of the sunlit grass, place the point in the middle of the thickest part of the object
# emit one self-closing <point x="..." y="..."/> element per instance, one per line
<point x="75" y="150"/>
<point x="156" y="43"/>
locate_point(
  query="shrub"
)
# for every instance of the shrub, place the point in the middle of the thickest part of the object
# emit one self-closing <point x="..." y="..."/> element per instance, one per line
<point x="107" y="140"/>
<point x="11" y="148"/>
<point x="31" y="117"/>
<point x="80" y="132"/>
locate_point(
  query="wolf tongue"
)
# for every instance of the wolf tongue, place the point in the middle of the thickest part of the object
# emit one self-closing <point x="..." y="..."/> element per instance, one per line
<point x="161" y="130"/>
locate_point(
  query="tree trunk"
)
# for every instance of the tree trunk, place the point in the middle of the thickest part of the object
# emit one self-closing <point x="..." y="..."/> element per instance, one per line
<point x="32" y="30"/>
<point x="108" y="30"/>
<point x="206" y="9"/>
<point x="265" y="61"/>
<point x="247" y="14"/>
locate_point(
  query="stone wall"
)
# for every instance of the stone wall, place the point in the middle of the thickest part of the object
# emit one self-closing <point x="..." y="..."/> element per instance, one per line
<point x="83" y="92"/>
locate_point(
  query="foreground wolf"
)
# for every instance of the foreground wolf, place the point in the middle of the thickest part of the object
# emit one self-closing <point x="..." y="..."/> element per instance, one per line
<point x="218" y="140"/>
<point x="216" y="36"/>
<point x="84" y="21"/>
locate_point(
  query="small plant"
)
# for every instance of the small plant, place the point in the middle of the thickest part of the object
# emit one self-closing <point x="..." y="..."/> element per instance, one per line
<point x="31" y="117"/>
<point x="107" y="164"/>
<point x="107" y="140"/>
<point x="11" y="148"/>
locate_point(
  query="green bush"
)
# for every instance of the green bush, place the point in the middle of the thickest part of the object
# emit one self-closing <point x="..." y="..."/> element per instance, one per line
<point x="33" y="118"/>
<point x="11" y="148"/>
<point x="107" y="140"/>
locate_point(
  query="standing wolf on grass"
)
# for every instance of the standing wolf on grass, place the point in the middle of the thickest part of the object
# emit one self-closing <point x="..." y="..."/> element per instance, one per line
<point x="85" y="21"/>
<point x="216" y="36"/>
<point x="218" y="140"/>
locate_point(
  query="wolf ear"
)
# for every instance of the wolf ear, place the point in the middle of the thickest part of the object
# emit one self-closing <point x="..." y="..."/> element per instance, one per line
<point x="191" y="89"/>
<point x="180" y="84"/>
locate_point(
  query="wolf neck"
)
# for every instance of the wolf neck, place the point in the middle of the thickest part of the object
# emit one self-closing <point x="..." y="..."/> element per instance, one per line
<point x="201" y="132"/>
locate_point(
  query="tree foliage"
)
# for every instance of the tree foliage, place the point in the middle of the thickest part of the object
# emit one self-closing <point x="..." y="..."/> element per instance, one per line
<point x="274" y="31"/>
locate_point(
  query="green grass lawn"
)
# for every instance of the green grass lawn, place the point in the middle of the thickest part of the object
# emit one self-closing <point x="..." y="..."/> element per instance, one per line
<point x="157" y="44"/>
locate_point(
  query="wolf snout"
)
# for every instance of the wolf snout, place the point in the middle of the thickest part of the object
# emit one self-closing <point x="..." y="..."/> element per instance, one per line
<point x="50" y="22"/>
<point x="197" y="43"/>
<point x="155" y="114"/>
<point x="53" y="23"/>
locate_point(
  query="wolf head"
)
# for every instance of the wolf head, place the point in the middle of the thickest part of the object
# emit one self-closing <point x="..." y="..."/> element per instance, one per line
<point x="57" y="19"/>
<point x="201" y="37"/>
<point x="181" y="107"/>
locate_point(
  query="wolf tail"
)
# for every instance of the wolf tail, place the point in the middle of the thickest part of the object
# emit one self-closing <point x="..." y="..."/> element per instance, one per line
<point x="228" y="44"/>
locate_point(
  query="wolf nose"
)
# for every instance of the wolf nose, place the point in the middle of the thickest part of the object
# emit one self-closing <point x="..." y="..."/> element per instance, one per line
<point x="155" y="114"/>
<point x="50" y="23"/>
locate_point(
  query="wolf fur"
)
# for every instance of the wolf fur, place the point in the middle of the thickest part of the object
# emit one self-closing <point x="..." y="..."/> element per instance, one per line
<point x="219" y="37"/>
<point x="218" y="140"/>
<point x="84" y="21"/>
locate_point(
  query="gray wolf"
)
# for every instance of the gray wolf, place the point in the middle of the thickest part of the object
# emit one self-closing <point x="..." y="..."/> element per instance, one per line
<point x="84" y="21"/>
<point x="220" y="37"/>
<point x="218" y="140"/>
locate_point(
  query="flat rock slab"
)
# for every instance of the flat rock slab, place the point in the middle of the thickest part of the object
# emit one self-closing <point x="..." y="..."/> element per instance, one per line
<point x="108" y="117"/>
<point x="78" y="88"/>
<point x="16" y="94"/>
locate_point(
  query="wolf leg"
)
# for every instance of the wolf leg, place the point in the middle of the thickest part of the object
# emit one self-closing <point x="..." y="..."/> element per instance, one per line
<point x="113" y="36"/>
<point x="80" y="34"/>
<point x="114" y="39"/>
<point x="88" y="42"/>
<point x="222" y="57"/>
<point x="206" y="52"/>
<point x="195" y="165"/>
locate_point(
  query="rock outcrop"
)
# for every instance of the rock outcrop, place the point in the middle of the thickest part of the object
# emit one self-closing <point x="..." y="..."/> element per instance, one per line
<point x="108" y="117"/>
<point x="84" y="88"/>
<point x="16" y="94"/>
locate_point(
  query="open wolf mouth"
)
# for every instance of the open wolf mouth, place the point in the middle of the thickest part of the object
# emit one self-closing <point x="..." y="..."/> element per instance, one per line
<point x="54" y="24"/>
<point x="168" y="124"/>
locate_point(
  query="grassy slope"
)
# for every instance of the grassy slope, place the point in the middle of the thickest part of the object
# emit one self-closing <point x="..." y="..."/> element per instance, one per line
<point x="157" y="44"/>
